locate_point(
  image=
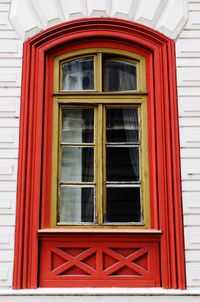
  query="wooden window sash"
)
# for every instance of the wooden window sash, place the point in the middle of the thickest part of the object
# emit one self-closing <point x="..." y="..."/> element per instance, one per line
<point x="100" y="182"/>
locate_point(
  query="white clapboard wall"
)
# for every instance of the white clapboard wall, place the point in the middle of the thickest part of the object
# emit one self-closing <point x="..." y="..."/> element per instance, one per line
<point x="188" y="77"/>
<point x="27" y="17"/>
<point x="10" y="76"/>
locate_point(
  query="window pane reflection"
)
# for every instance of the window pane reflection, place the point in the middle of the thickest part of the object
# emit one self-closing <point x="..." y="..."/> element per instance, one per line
<point x="78" y="126"/>
<point x="78" y="74"/>
<point x="119" y="75"/>
<point x="76" y="204"/>
<point x="77" y="164"/>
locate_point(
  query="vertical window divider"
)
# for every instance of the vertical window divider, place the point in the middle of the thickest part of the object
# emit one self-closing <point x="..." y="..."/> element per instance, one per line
<point x="99" y="181"/>
<point x="104" y="163"/>
<point x="144" y="164"/>
<point x="98" y="73"/>
<point x="59" y="161"/>
<point x="55" y="162"/>
<point x="141" y="164"/>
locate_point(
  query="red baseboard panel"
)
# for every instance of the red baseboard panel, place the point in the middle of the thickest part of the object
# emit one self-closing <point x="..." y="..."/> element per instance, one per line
<point x="99" y="261"/>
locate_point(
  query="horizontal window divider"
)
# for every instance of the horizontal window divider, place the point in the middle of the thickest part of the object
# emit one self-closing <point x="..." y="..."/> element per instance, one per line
<point x="95" y="92"/>
<point x="77" y="130"/>
<point x="78" y="144"/>
<point x="123" y="185"/>
<point x="76" y="223"/>
<point x="116" y="145"/>
<point x="134" y="182"/>
<point x="80" y="184"/>
<point x="121" y="127"/>
<point x="74" y="106"/>
<point x="85" y="91"/>
<point x="123" y="223"/>
<point x="94" y="101"/>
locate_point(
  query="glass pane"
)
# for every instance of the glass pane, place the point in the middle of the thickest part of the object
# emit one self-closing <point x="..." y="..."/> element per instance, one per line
<point x="119" y="75"/>
<point x="78" y="74"/>
<point x="77" y="164"/>
<point x="122" y="164"/>
<point x="78" y="126"/>
<point x="76" y="204"/>
<point x="122" y="125"/>
<point x="123" y="204"/>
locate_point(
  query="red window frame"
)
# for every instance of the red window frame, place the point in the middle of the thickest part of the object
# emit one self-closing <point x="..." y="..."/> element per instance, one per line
<point x="34" y="167"/>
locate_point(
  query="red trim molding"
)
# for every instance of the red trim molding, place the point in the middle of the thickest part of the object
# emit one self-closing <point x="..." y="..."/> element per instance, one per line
<point x="34" y="168"/>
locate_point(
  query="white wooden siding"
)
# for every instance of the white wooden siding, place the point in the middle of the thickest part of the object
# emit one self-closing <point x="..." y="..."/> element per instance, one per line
<point x="188" y="76"/>
<point x="10" y="82"/>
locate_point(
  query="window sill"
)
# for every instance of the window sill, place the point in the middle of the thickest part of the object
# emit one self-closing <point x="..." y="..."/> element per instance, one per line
<point x="99" y="230"/>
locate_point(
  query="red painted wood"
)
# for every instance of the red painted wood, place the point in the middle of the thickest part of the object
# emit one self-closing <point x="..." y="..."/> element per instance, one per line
<point x="179" y="236"/>
<point x="99" y="260"/>
<point x="34" y="171"/>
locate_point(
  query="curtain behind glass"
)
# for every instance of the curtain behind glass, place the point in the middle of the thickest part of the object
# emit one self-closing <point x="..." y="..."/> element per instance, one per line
<point x="130" y="117"/>
<point x="119" y="75"/>
<point x="77" y="165"/>
<point x="122" y="166"/>
<point x="122" y="129"/>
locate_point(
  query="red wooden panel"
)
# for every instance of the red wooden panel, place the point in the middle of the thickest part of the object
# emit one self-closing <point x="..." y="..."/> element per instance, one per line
<point x="99" y="260"/>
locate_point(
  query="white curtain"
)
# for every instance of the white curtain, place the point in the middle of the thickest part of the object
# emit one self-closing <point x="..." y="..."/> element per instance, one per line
<point x="130" y="124"/>
<point x="119" y="76"/>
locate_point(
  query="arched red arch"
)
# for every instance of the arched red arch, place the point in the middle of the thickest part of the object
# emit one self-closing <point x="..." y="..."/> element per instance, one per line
<point x="34" y="167"/>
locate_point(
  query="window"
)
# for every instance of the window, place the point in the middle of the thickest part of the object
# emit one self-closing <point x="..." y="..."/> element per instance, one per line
<point x="82" y="166"/>
<point x="101" y="164"/>
<point x="76" y="121"/>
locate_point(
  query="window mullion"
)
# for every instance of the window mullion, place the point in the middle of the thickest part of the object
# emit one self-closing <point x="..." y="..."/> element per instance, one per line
<point x="99" y="165"/>
<point x="98" y="73"/>
<point x="59" y="164"/>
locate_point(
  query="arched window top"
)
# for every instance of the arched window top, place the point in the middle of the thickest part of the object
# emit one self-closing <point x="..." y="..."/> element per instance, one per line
<point x="100" y="70"/>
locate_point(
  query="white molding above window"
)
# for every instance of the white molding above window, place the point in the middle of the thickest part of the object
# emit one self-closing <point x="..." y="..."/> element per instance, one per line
<point x="29" y="17"/>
